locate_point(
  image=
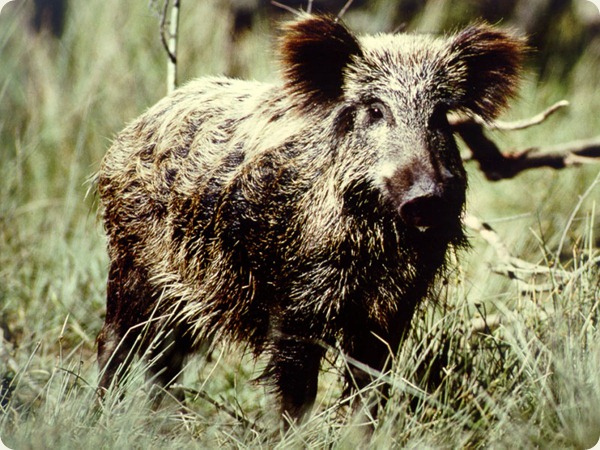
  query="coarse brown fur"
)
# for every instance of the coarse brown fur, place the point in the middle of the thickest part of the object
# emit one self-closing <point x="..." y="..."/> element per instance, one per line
<point x="298" y="216"/>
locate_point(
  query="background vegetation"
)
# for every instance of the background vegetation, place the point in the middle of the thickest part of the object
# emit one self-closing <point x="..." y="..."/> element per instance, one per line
<point x="499" y="363"/>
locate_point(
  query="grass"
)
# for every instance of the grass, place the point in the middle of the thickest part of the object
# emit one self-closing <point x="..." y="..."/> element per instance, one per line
<point x="530" y="381"/>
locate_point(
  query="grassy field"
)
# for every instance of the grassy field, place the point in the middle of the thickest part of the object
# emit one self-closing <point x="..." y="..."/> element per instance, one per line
<point x="499" y="363"/>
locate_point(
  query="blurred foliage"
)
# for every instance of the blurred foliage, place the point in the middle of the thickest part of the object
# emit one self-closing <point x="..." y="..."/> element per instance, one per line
<point x="559" y="31"/>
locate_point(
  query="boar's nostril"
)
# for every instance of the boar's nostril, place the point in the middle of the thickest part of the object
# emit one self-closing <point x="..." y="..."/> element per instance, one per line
<point x="425" y="212"/>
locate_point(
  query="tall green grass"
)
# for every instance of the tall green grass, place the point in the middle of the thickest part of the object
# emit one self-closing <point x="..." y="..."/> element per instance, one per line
<point x="530" y="380"/>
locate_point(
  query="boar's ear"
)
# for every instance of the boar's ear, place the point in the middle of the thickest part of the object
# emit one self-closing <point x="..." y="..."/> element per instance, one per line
<point x="487" y="63"/>
<point x="315" y="50"/>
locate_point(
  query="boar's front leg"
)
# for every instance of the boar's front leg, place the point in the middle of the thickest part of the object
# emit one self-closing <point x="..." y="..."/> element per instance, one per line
<point x="294" y="371"/>
<point x="118" y="337"/>
<point x="374" y="349"/>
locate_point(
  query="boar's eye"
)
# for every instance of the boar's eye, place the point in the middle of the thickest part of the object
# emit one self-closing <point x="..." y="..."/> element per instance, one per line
<point x="377" y="111"/>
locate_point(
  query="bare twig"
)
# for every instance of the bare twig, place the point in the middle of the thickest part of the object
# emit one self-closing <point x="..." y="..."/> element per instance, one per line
<point x="163" y="28"/>
<point x="526" y="123"/>
<point x="173" y="35"/>
<point x="458" y="120"/>
<point x="285" y="7"/>
<point x="497" y="165"/>
<point x="344" y="9"/>
<point x="169" y="40"/>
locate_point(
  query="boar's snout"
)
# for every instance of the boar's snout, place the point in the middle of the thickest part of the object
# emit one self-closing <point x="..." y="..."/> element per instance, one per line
<point x="426" y="200"/>
<point x="428" y="211"/>
<point x="421" y="212"/>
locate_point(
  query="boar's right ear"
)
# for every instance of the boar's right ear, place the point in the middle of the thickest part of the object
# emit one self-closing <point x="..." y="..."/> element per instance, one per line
<point x="315" y="50"/>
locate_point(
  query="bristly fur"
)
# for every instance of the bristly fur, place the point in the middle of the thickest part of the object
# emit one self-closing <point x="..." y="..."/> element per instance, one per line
<point x="299" y="216"/>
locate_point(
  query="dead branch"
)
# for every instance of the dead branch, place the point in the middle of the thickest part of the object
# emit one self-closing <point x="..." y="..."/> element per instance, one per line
<point x="485" y="324"/>
<point x="238" y="416"/>
<point x="498" y="165"/>
<point x="512" y="267"/>
<point x="526" y="123"/>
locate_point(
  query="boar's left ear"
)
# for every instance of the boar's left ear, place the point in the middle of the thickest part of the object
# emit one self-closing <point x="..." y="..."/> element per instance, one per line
<point x="315" y="50"/>
<point x="487" y="62"/>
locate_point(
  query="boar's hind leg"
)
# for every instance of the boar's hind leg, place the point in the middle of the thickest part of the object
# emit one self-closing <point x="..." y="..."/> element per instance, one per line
<point x="294" y="369"/>
<point x="166" y="358"/>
